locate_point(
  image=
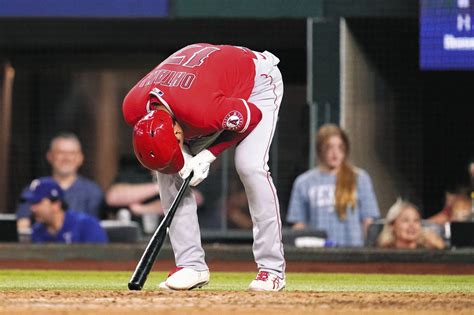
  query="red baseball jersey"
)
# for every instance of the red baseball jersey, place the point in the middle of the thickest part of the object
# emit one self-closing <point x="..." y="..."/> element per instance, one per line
<point x="206" y="87"/>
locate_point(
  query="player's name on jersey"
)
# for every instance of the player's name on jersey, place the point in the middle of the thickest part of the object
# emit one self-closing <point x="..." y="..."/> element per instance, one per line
<point x="168" y="78"/>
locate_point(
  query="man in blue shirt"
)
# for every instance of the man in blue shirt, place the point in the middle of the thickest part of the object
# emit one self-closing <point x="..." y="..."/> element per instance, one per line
<point x="65" y="157"/>
<point x="54" y="221"/>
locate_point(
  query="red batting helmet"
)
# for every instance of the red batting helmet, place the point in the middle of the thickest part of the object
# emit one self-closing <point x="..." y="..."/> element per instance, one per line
<point x="155" y="144"/>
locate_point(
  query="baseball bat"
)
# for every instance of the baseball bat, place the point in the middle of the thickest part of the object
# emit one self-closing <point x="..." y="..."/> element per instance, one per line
<point x="156" y="242"/>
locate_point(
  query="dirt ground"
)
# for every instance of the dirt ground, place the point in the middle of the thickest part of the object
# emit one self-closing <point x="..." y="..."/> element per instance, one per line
<point x="223" y="303"/>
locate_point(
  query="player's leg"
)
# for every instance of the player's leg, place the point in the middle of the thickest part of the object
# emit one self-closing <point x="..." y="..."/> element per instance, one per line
<point x="251" y="159"/>
<point x="184" y="235"/>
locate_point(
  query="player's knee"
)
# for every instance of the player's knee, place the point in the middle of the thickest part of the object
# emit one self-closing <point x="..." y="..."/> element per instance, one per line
<point x="247" y="170"/>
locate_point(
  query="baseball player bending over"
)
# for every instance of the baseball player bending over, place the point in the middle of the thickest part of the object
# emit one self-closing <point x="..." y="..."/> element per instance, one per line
<point x="200" y="101"/>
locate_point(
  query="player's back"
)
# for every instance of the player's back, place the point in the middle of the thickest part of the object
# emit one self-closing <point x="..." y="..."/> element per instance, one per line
<point x="193" y="81"/>
<point x="199" y="70"/>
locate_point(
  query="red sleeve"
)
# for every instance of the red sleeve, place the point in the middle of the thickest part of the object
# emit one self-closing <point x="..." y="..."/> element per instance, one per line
<point x="237" y="118"/>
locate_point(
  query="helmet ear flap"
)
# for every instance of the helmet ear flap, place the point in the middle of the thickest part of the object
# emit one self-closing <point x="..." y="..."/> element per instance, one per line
<point x="155" y="144"/>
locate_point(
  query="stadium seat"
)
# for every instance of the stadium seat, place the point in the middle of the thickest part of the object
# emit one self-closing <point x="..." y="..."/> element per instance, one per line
<point x="121" y="232"/>
<point x="373" y="233"/>
<point x="8" y="228"/>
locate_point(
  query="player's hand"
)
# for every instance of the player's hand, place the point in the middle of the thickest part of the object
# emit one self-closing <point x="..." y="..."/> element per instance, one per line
<point x="199" y="165"/>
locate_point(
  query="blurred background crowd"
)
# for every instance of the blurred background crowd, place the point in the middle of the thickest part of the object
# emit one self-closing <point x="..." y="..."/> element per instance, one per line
<point x="373" y="147"/>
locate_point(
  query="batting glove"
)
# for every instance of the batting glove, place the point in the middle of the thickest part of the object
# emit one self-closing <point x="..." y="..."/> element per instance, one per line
<point x="187" y="156"/>
<point x="199" y="164"/>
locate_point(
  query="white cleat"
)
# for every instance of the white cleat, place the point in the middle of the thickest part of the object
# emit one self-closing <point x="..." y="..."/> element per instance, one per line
<point x="163" y="286"/>
<point x="185" y="279"/>
<point x="267" y="281"/>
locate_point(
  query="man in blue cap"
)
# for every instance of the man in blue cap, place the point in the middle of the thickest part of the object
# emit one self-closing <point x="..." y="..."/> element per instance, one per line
<point x="54" y="221"/>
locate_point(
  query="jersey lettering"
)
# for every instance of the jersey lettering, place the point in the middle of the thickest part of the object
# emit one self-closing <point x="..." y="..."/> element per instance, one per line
<point x="177" y="78"/>
<point x="191" y="56"/>
<point x="188" y="80"/>
<point x="148" y="79"/>
<point x="161" y="76"/>
<point x="169" y="78"/>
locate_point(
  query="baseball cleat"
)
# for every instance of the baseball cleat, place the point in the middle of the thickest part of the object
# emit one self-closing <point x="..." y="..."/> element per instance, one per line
<point x="163" y="286"/>
<point x="185" y="279"/>
<point x="267" y="281"/>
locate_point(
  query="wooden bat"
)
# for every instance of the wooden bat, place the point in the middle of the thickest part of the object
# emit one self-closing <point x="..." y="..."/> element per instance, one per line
<point x="156" y="242"/>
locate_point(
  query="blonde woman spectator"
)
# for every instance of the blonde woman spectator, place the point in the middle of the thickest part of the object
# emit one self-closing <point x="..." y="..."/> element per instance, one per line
<point x="403" y="229"/>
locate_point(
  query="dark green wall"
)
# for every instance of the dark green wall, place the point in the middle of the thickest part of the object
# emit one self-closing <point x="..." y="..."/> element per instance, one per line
<point x="294" y="9"/>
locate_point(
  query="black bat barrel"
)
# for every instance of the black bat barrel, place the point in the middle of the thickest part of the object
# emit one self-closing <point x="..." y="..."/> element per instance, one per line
<point x="156" y="242"/>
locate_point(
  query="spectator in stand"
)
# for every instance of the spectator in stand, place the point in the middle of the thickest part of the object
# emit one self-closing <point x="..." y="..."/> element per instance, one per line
<point x="458" y="203"/>
<point x="471" y="179"/>
<point x="457" y="207"/>
<point x="461" y="209"/>
<point x="402" y="229"/>
<point x="334" y="196"/>
<point x="471" y="173"/>
<point x="136" y="190"/>
<point x="238" y="213"/>
<point x="55" y="222"/>
<point x="65" y="157"/>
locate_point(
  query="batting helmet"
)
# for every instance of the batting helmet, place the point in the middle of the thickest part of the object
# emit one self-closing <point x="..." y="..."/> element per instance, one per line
<point x="155" y="144"/>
